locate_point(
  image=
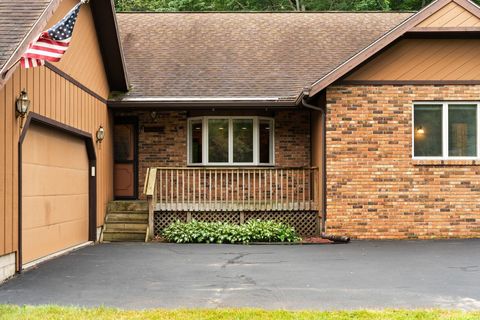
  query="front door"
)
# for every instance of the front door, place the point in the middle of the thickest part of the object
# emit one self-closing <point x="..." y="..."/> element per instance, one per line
<point x="125" y="150"/>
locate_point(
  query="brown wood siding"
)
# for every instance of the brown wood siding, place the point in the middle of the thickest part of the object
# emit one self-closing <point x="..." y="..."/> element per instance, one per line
<point x="53" y="96"/>
<point x="451" y="15"/>
<point x="83" y="60"/>
<point x="425" y="59"/>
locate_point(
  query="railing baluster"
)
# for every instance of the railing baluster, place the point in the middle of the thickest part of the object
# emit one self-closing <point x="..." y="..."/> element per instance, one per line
<point x="237" y="200"/>
<point x="243" y="190"/>
<point x="176" y="187"/>
<point x="232" y="203"/>
<point x="265" y="189"/>
<point x="270" y="206"/>
<point x="194" y="201"/>
<point x="249" y="186"/>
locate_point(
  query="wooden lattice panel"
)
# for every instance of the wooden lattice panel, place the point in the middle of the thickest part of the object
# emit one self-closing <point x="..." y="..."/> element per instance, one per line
<point x="304" y="222"/>
<point x="217" y="216"/>
<point x="164" y="219"/>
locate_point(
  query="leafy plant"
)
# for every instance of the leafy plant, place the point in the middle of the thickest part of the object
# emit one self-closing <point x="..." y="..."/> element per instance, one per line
<point x="222" y="232"/>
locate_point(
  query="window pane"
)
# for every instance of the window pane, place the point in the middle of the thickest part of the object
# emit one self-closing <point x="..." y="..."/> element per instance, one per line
<point x="242" y="140"/>
<point x="218" y="140"/>
<point x="196" y="141"/>
<point x="428" y="131"/>
<point x="462" y="130"/>
<point x="265" y="131"/>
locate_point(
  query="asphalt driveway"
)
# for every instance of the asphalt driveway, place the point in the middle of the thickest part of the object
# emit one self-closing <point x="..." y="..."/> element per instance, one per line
<point x="362" y="274"/>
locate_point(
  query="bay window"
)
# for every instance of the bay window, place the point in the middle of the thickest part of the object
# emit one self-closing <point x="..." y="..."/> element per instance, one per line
<point x="230" y="141"/>
<point x="446" y="130"/>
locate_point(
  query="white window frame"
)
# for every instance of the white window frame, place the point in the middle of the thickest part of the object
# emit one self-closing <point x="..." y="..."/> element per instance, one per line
<point x="445" y="137"/>
<point x="256" y="146"/>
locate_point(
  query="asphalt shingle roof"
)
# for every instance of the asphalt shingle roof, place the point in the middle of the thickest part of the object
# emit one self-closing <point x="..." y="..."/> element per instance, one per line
<point x="17" y="17"/>
<point x="241" y="54"/>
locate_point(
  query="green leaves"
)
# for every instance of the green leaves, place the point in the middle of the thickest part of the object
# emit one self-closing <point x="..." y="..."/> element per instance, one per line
<point x="222" y="232"/>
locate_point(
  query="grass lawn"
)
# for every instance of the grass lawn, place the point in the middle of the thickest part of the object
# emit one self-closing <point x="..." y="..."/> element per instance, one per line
<point x="54" y="312"/>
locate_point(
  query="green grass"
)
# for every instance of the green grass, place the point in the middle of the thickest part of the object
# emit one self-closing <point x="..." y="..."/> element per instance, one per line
<point x="54" y="312"/>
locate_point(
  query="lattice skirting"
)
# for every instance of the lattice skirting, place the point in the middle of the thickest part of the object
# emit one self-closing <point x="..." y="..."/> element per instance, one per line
<point x="306" y="223"/>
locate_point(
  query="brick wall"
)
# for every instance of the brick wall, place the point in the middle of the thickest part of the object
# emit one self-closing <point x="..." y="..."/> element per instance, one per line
<point x="374" y="188"/>
<point x="168" y="148"/>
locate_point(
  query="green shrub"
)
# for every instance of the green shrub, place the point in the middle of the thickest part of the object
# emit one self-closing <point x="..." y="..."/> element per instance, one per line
<point x="222" y="232"/>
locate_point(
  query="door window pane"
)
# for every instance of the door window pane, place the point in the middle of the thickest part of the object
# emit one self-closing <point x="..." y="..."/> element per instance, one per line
<point x="196" y="141"/>
<point x="218" y="140"/>
<point x="462" y="130"/>
<point x="242" y="140"/>
<point x="428" y="131"/>
<point x="123" y="137"/>
<point x="265" y="130"/>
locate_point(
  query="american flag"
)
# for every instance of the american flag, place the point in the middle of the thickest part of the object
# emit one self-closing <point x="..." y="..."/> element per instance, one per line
<point x="51" y="44"/>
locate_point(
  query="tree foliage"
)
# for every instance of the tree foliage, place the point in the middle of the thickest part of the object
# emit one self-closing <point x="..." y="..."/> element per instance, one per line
<point x="270" y="5"/>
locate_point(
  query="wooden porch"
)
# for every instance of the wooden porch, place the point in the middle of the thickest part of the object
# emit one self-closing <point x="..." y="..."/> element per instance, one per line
<point x="232" y="189"/>
<point x="220" y="191"/>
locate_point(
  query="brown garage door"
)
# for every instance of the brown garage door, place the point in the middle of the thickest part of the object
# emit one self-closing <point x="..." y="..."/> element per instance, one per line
<point x="54" y="192"/>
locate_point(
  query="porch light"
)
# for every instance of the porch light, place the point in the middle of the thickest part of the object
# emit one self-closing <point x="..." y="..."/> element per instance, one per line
<point x="22" y="104"/>
<point x="420" y="130"/>
<point x="100" y="134"/>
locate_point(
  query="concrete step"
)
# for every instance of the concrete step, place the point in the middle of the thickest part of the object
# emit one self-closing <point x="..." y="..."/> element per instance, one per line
<point x="126" y="217"/>
<point x="123" y="225"/>
<point x="124" y="235"/>
<point x="135" y="205"/>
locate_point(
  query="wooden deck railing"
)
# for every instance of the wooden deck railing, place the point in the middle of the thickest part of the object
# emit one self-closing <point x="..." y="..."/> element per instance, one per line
<point x="232" y="189"/>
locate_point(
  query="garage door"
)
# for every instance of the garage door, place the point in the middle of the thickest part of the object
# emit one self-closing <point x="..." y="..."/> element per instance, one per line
<point x="54" y="192"/>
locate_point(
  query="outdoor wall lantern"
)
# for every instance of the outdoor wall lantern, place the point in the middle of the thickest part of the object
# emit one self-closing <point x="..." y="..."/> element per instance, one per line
<point x="100" y="134"/>
<point x="22" y="104"/>
<point x="420" y="130"/>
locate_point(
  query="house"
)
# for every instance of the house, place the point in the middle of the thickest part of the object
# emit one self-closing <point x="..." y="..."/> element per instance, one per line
<point x="364" y="124"/>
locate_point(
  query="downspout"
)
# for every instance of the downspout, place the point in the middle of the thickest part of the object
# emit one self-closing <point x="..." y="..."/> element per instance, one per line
<point x="324" y="160"/>
<point x="323" y="111"/>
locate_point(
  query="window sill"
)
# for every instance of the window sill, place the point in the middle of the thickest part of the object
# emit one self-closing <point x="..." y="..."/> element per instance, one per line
<point x="447" y="162"/>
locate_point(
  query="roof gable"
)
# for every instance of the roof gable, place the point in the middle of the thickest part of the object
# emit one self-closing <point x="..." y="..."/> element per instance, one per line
<point x="450" y="16"/>
<point x="394" y="34"/>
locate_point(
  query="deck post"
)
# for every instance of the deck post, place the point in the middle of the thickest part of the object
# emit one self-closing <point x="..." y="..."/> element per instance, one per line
<point x="151" y="193"/>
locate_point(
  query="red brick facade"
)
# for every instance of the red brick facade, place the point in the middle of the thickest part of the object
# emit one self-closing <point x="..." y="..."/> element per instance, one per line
<point x="374" y="188"/>
<point x="168" y="147"/>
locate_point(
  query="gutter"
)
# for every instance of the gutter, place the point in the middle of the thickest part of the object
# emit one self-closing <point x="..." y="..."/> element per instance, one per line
<point x="204" y="102"/>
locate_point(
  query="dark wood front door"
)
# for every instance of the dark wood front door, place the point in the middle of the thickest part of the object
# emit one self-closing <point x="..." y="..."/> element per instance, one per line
<point x="125" y="167"/>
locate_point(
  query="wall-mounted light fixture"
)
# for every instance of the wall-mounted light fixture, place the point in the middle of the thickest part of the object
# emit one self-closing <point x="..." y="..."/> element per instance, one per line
<point x="100" y="134"/>
<point x="420" y="130"/>
<point x="22" y="104"/>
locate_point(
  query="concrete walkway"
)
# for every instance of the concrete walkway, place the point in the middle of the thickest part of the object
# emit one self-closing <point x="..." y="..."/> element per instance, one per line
<point x="362" y="274"/>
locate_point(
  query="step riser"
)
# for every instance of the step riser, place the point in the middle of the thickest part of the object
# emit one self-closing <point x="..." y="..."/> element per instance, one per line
<point x="123" y="226"/>
<point x="112" y="217"/>
<point x="127" y="206"/>
<point x="123" y="237"/>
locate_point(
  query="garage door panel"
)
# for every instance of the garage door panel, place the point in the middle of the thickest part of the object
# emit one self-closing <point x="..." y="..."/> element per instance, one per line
<point x="55" y="180"/>
<point x="55" y="176"/>
<point x="39" y="242"/>
<point x="45" y="143"/>
<point x="48" y="210"/>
